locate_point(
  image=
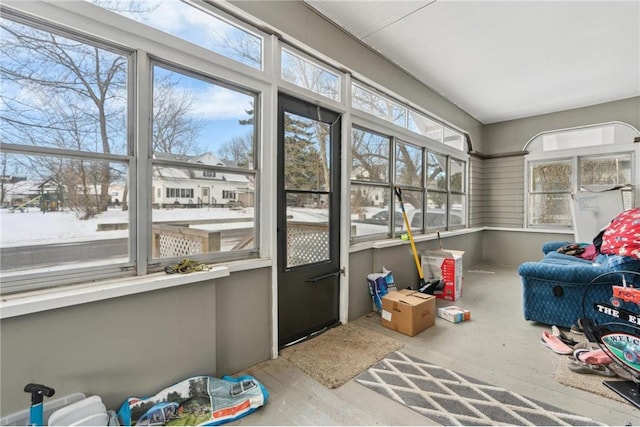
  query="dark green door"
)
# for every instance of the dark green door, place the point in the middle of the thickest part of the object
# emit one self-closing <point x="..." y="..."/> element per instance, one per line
<point x="308" y="200"/>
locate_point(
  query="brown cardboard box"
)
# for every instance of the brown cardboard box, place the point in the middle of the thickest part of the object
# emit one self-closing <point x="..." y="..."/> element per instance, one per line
<point x="408" y="312"/>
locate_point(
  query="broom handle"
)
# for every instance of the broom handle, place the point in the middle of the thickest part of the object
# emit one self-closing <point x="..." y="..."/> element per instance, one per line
<point x="398" y="192"/>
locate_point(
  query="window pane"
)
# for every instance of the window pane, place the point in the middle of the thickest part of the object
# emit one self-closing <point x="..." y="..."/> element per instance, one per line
<point x="307" y="152"/>
<point x="369" y="210"/>
<point x="196" y="214"/>
<point x="549" y="209"/>
<point x="605" y="171"/>
<point x="453" y="139"/>
<point x="413" y="207"/>
<point x="457" y="211"/>
<point x="436" y="210"/>
<point x="306" y="74"/>
<point x="60" y="212"/>
<point x="198" y="121"/>
<point x="552" y="176"/>
<point x="422" y="125"/>
<point x="60" y="93"/>
<point x="370" y="156"/>
<point x="408" y="165"/>
<point x="183" y="20"/>
<point x="436" y="171"/>
<point x="578" y="138"/>
<point x="372" y="103"/>
<point x="457" y="182"/>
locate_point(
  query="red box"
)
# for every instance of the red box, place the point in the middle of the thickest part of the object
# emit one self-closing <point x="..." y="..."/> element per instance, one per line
<point x="445" y="265"/>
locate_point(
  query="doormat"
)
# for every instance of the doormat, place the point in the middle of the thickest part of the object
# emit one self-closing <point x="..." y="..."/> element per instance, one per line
<point x="587" y="382"/>
<point x="341" y="353"/>
<point x="450" y="398"/>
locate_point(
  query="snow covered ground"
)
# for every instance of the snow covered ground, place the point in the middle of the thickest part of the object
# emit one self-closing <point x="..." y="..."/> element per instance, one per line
<point x="34" y="227"/>
<point x="25" y="228"/>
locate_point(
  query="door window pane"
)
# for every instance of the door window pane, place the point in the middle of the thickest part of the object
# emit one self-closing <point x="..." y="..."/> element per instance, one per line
<point x="307" y="152"/>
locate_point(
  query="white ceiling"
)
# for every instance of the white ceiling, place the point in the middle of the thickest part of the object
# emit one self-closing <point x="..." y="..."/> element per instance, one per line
<point x="502" y="60"/>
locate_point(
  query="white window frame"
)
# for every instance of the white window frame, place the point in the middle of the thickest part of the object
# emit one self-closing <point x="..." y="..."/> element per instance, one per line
<point x="365" y="121"/>
<point x="620" y="146"/>
<point x="85" y="21"/>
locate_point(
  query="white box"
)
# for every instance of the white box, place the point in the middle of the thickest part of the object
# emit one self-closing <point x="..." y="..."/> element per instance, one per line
<point x="454" y="314"/>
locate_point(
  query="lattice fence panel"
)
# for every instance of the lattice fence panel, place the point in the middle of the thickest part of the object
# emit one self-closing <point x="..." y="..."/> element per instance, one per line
<point x="175" y="245"/>
<point x="305" y="246"/>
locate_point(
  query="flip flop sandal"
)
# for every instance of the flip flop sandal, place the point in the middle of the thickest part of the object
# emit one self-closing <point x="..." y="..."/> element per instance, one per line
<point x="586" y="368"/>
<point x="554" y="343"/>
<point x="577" y="366"/>
<point x="565" y="339"/>
<point x="592" y="357"/>
<point x="586" y="345"/>
<point x="577" y="328"/>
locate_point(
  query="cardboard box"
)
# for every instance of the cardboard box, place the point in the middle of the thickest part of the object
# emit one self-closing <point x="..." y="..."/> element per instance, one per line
<point x="445" y="265"/>
<point x="454" y="314"/>
<point x="408" y="312"/>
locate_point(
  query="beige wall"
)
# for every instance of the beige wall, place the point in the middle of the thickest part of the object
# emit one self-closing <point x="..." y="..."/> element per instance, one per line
<point x="512" y="135"/>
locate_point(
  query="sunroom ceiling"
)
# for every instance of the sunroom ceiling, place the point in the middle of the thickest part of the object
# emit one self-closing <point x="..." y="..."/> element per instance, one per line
<point x="502" y="60"/>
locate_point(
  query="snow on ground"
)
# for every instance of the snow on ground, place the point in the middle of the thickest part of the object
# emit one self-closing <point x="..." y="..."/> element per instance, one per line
<point x="33" y="226"/>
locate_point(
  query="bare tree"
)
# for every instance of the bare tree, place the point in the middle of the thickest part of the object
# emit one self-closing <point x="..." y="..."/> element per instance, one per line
<point x="239" y="150"/>
<point x="75" y="91"/>
<point x="66" y="94"/>
<point x="173" y="130"/>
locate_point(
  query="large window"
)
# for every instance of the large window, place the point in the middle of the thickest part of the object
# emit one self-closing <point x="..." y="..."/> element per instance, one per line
<point x="563" y="163"/>
<point x="198" y="121"/>
<point x="65" y="157"/>
<point x="129" y="140"/>
<point x="435" y="200"/>
<point x="75" y="168"/>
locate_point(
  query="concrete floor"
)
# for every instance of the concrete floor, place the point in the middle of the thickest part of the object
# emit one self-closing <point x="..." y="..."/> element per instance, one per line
<point x="497" y="346"/>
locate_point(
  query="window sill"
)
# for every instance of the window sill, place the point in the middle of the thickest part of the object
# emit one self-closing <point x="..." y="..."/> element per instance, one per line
<point x="387" y="243"/>
<point x="49" y="299"/>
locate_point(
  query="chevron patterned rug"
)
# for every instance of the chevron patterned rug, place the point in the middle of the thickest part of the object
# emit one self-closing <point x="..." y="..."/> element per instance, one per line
<point x="450" y="398"/>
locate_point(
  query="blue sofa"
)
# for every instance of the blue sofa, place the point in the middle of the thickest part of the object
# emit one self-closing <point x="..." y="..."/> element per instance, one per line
<point x="559" y="289"/>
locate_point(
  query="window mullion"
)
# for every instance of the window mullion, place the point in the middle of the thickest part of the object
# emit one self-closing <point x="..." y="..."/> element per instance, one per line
<point x="141" y="189"/>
